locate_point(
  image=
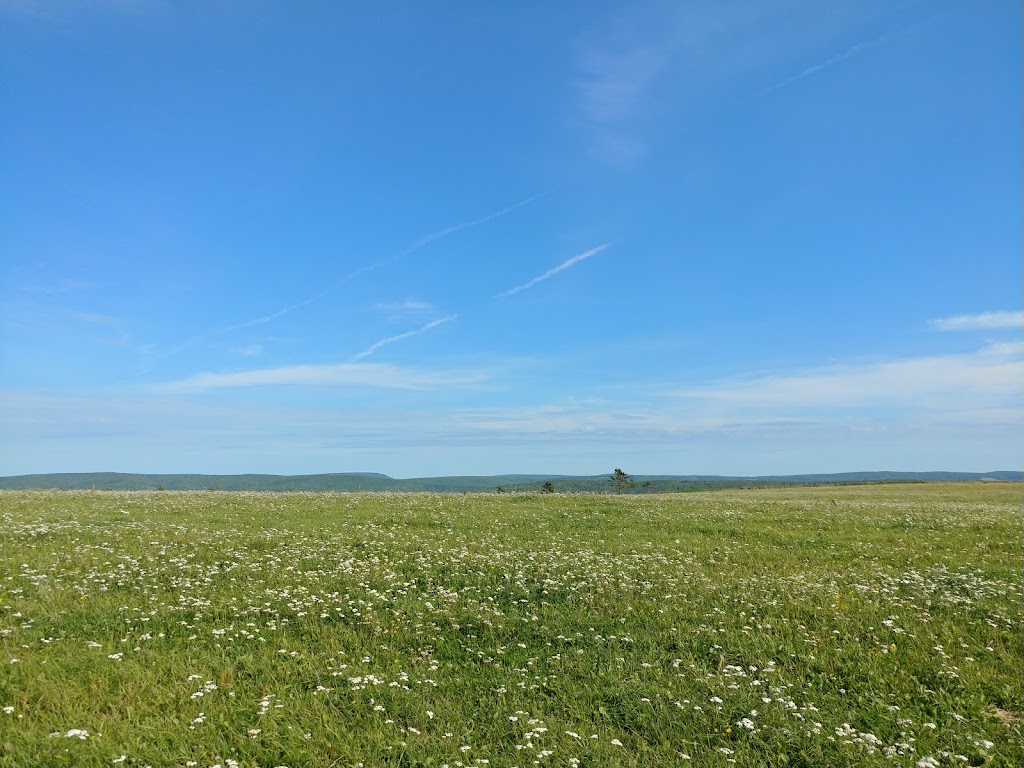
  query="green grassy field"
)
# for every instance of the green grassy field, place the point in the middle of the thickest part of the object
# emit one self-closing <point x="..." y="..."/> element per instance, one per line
<point x="858" y="625"/>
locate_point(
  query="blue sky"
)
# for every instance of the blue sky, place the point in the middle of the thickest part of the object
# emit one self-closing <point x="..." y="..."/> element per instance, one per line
<point x="477" y="238"/>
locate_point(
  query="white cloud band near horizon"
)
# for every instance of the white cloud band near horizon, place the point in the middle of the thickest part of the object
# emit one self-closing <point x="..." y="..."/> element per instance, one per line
<point x="554" y="271"/>
<point x="983" y="321"/>
<point x="988" y="378"/>
<point x="392" y="339"/>
<point x="860" y="414"/>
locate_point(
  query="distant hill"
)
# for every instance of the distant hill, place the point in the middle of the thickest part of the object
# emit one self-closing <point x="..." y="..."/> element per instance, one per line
<point x="369" y="481"/>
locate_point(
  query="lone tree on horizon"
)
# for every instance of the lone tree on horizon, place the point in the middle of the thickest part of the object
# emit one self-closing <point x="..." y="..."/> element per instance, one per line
<point x="621" y="481"/>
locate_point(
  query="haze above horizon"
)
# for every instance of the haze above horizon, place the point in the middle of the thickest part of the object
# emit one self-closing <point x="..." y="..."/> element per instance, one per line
<point x="453" y="239"/>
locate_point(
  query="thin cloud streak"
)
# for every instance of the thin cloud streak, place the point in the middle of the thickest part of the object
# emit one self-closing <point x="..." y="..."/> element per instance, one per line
<point x="988" y="378"/>
<point x="263" y="319"/>
<point x="423" y="241"/>
<point x="984" y="321"/>
<point x="850" y="52"/>
<point x="364" y="375"/>
<point x="554" y="271"/>
<point x="95" y="318"/>
<point x="392" y="339"/>
<point x="409" y="305"/>
<point x="304" y="303"/>
<point x="67" y="285"/>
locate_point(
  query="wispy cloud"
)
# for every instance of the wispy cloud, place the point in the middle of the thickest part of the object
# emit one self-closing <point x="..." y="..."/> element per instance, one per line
<point x="366" y="375"/>
<point x="611" y="89"/>
<point x="614" y="75"/>
<point x="249" y="350"/>
<point x="641" y="62"/>
<point x="392" y="339"/>
<point x="409" y="305"/>
<point x="60" y="8"/>
<point x="814" y="69"/>
<point x="65" y="285"/>
<point x="988" y="378"/>
<point x="984" y="321"/>
<point x="554" y="270"/>
<point x="407" y="311"/>
<point x="114" y="341"/>
<point x="95" y="318"/>
<point x="980" y="389"/>
<point x="116" y="336"/>
<point x="646" y="64"/>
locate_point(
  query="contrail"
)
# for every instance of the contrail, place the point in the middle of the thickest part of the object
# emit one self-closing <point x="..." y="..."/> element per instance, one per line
<point x="392" y="339"/>
<point x="813" y="70"/>
<point x="554" y="270"/>
<point x="423" y="241"/>
<point x="467" y="224"/>
<point x="271" y="316"/>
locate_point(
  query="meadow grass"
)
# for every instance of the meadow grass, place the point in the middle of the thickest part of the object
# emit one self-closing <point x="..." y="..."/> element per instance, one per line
<point x="870" y="625"/>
